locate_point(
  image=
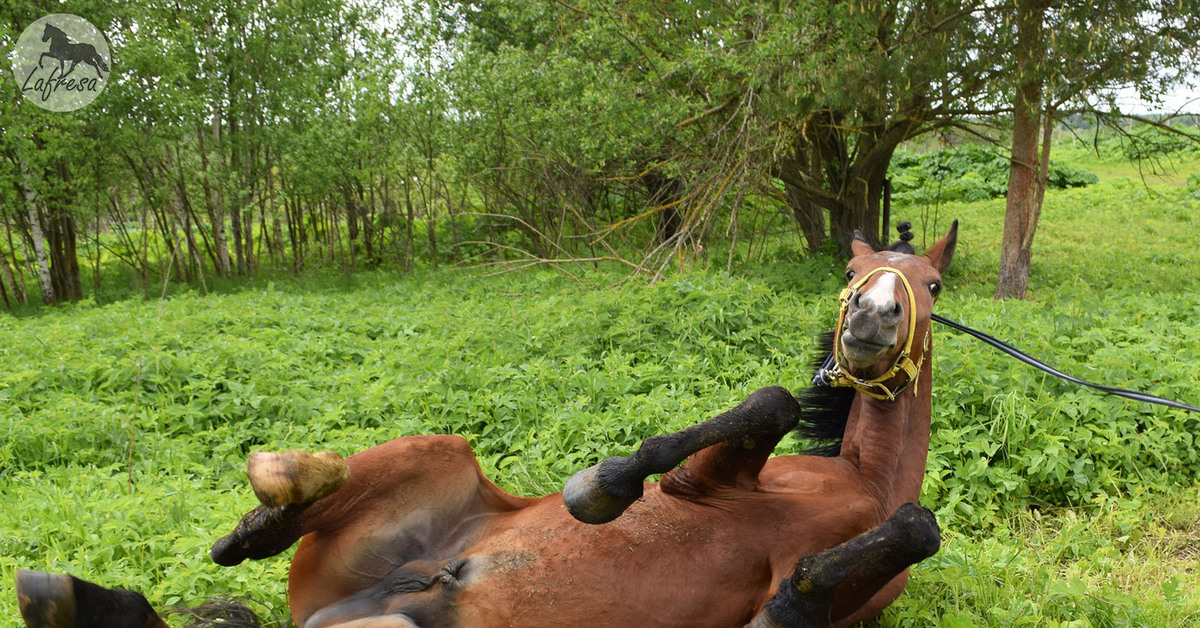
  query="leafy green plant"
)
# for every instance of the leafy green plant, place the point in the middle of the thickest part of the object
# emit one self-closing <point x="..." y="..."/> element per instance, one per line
<point x="969" y="173"/>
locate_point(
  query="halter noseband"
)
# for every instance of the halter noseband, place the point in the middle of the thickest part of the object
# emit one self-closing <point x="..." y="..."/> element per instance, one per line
<point x="839" y="374"/>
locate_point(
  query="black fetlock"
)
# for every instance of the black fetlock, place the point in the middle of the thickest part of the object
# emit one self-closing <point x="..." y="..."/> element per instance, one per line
<point x="46" y="600"/>
<point x="262" y="533"/>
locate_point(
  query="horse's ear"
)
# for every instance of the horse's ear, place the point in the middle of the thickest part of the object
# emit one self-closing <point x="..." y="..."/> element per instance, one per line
<point x="939" y="254"/>
<point x="860" y="246"/>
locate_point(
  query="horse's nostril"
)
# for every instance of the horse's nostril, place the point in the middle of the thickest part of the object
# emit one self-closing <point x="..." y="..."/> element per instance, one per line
<point x="897" y="310"/>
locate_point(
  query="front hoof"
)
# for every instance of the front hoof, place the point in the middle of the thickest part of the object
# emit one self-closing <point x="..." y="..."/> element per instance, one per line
<point x="46" y="600"/>
<point x="587" y="500"/>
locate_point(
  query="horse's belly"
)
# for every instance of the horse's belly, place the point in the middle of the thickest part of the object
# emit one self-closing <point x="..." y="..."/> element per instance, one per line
<point x="666" y="562"/>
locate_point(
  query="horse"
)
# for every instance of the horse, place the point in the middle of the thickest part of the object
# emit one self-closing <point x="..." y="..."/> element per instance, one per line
<point x="411" y="534"/>
<point x="64" y="50"/>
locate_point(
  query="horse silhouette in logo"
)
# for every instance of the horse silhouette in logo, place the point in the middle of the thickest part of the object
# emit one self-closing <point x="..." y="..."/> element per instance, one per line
<point x="64" y="50"/>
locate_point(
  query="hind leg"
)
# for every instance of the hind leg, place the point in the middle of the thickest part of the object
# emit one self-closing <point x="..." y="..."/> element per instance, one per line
<point x="286" y="484"/>
<point x="731" y="448"/>
<point x="414" y="501"/>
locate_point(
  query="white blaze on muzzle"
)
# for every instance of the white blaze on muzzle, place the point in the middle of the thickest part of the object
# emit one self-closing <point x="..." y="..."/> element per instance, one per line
<point x="881" y="295"/>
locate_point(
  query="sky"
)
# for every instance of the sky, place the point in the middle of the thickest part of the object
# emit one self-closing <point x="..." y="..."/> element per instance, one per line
<point x="1185" y="98"/>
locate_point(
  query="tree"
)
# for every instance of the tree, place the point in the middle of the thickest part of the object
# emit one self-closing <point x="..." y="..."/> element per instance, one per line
<point x="1071" y="57"/>
<point x="1026" y="181"/>
<point x="797" y="103"/>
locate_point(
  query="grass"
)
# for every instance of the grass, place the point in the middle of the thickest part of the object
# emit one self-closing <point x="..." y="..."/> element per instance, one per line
<point x="1119" y="563"/>
<point x="1169" y="169"/>
<point x="126" y="424"/>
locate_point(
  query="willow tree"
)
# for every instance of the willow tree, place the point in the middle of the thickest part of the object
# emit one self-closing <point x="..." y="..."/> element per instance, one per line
<point x="799" y="104"/>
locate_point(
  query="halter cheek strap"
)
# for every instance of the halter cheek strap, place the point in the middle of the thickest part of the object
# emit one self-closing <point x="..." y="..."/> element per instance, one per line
<point x="839" y="374"/>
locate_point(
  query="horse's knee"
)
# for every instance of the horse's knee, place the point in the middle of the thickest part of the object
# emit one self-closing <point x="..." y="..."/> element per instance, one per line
<point x="776" y="410"/>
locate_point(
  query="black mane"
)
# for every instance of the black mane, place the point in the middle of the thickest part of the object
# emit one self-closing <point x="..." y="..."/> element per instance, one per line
<point x="825" y="409"/>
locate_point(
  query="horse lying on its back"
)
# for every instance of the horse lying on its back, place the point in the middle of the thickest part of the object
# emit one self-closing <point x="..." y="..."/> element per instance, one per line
<point x="410" y="534"/>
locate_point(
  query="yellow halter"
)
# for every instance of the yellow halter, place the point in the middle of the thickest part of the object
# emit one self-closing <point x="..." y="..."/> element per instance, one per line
<point x="876" y="388"/>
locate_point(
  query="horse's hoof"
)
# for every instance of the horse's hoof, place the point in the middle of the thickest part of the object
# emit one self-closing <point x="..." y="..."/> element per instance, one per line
<point x="295" y="477"/>
<point x="587" y="500"/>
<point x="46" y="600"/>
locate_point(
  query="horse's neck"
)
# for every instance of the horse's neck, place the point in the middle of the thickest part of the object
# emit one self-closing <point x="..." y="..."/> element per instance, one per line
<point x="889" y="441"/>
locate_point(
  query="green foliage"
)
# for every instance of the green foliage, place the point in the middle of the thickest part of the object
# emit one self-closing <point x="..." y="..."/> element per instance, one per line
<point x="1058" y="567"/>
<point x="970" y="172"/>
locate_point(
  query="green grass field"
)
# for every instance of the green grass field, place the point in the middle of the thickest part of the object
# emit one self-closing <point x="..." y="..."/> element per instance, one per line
<point x="126" y="425"/>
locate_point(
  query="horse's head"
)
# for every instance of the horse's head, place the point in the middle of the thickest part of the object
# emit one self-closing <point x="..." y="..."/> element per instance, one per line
<point x="52" y="33"/>
<point x="883" y="327"/>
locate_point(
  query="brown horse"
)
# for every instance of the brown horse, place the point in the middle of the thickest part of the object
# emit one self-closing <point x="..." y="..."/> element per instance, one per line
<point x="410" y="534"/>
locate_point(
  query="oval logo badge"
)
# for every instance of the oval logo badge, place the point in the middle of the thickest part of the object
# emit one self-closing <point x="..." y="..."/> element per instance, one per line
<point x="61" y="62"/>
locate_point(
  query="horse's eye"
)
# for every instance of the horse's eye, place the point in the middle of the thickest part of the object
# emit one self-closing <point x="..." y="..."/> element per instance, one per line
<point x="935" y="288"/>
<point x="849" y="274"/>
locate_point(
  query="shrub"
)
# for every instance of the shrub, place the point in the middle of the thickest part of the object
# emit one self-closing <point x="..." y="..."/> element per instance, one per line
<point x="966" y="173"/>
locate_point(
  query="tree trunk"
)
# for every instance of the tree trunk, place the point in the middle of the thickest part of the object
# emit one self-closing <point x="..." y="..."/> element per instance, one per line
<point x="295" y="220"/>
<point x="799" y="171"/>
<point x="212" y="202"/>
<point x="238" y="193"/>
<point x="666" y="194"/>
<point x="250" y="185"/>
<point x="431" y="233"/>
<point x="13" y="272"/>
<point x="1023" y="205"/>
<point x="3" y="285"/>
<point x="7" y="279"/>
<point x="184" y="207"/>
<point x="212" y="195"/>
<point x="860" y="197"/>
<point x="368" y="223"/>
<point x="410" y="238"/>
<point x="61" y="238"/>
<point x="35" y="233"/>
<point x="850" y="182"/>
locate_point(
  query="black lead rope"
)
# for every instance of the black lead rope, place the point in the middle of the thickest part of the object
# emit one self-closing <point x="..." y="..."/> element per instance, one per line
<point x="1038" y="364"/>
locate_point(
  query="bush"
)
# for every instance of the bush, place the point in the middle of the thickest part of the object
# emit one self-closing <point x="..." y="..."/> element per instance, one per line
<point x="966" y="173"/>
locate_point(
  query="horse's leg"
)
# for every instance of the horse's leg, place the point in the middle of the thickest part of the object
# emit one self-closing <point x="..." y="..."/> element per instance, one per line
<point x="407" y="509"/>
<point x="830" y="588"/>
<point x="286" y="484"/>
<point x="735" y="443"/>
<point x="61" y="601"/>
